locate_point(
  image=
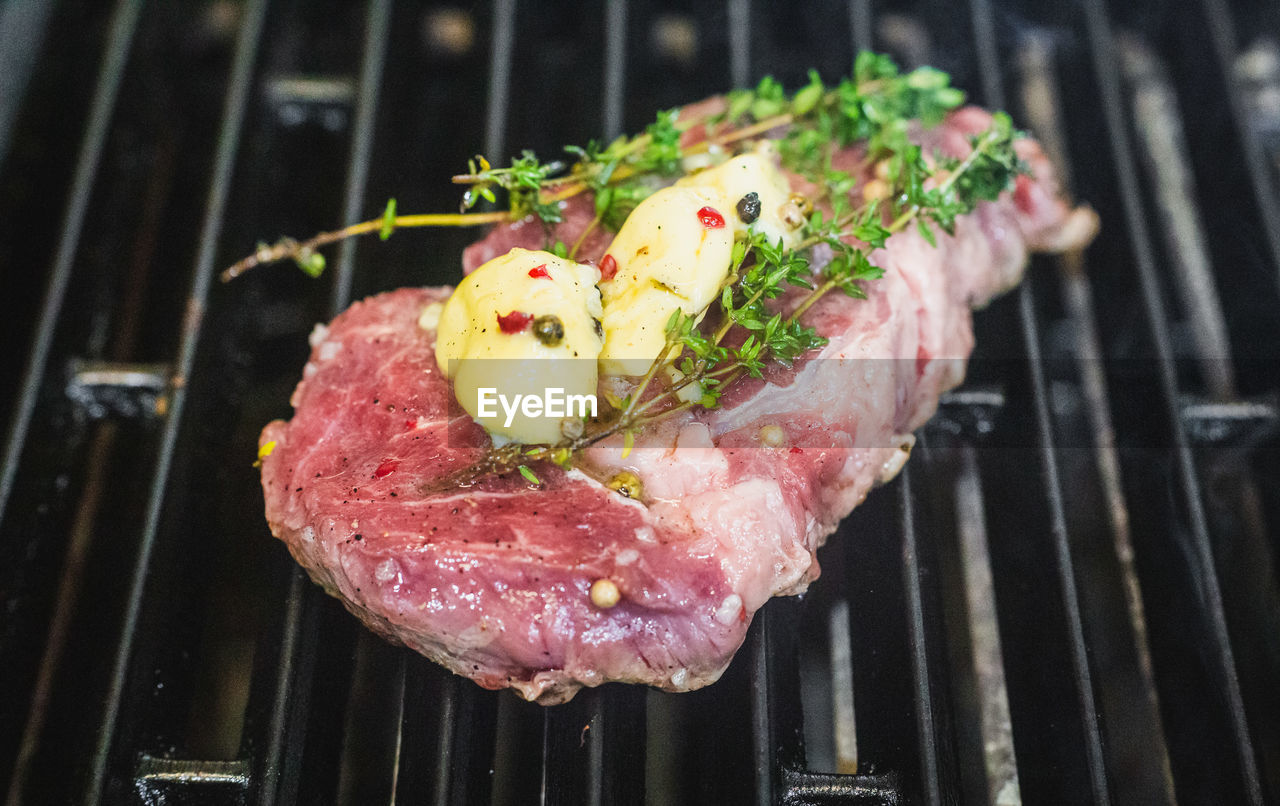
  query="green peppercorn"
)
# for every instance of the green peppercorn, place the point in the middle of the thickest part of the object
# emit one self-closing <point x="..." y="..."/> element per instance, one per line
<point x="549" y="329"/>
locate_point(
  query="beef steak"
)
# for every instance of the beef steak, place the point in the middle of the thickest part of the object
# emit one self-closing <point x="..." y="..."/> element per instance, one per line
<point x="492" y="579"/>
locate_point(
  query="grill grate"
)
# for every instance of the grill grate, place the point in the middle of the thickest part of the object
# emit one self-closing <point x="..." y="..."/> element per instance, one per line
<point x="1070" y="594"/>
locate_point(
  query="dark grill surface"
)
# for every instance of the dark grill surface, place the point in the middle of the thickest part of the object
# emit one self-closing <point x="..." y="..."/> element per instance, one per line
<point x="1070" y="596"/>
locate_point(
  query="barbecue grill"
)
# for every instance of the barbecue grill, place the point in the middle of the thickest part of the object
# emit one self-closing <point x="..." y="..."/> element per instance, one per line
<point x="1069" y="596"/>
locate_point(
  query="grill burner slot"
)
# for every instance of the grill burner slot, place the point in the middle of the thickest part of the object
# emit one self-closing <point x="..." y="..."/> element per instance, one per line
<point x="125" y="390"/>
<point x="1071" y="589"/>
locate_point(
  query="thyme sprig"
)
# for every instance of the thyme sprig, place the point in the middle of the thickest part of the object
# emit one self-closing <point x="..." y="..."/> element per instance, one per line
<point x="875" y="104"/>
<point x="878" y="110"/>
<point x="701" y="366"/>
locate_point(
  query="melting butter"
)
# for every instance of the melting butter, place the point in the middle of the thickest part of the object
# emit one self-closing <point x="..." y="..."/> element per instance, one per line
<point x="522" y="358"/>
<point x="754" y="172"/>
<point x="669" y="257"/>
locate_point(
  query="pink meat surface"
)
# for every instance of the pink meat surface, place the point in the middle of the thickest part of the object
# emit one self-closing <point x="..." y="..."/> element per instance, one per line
<point x="493" y="580"/>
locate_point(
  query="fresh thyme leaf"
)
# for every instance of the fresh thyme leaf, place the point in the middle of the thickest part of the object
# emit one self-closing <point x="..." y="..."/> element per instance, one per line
<point x="311" y="262"/>
<point x="662" y="155"/>
<point x="522" y="181"/>
<point x="739" y="101"/>
<point x="563" y="457"/>
<point x="388" y="220"/>
<point x="869" y="228"/>
<point x="620" y="200"/>
<point x="926" y="232"/>
<point x="604" y="200"/>
<point x="808" y="96"/>
<point x="528" y="474"/>
<point x="769" y="99"/>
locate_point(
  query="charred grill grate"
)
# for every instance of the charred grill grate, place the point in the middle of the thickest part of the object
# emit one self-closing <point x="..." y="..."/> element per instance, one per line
<point x="1070" y="595"/>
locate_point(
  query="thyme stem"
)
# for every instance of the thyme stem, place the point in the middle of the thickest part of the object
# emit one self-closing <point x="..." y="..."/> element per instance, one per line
<point x="288" y="248"/>
<point x="595" y="222"/>
<point x="654" y="366"/>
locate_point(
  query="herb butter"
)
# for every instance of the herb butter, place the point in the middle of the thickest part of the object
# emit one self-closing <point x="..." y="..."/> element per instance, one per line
<point x="502" y="323"/>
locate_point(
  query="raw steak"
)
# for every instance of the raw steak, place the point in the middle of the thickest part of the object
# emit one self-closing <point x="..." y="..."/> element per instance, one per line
<point x="492" y="580"/>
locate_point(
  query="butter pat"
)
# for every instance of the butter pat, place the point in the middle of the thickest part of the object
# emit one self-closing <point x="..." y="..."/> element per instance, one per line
<point x="755" y="172"/>
<point x="523" y="324"/>
<point x="671" y="255"/>
<point x="667" y="258"/>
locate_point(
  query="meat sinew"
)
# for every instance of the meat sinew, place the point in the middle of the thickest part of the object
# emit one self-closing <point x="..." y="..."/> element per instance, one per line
<point x="493" y="579"/>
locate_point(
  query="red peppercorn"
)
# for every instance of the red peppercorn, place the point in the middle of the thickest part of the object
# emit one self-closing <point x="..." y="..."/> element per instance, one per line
<point x="711" y="218"/>
<point x="539" y="271"/>
<point x="386" y="468"/>
<point x="608" y="267"/>
<point x="514" y="322"/>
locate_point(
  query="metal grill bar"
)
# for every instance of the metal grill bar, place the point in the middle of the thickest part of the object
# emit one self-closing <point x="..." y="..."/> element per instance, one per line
<point x="1158" y="122"/>
<point x="440" y="795"/>
<point x="301" y="624"/>
<point x="762" y="749"/>
<point x="1222" y="38"/>
<point x="1044" y="113"/>
<point x="740" y="42"/>
<point x="297" y="658"/>
<point x="377" y="29"/>
<point x="993" y="91"/>
<point x="860" y="24"/>
<point x="995" y="726"/>
<point x="119" y="42"/>
<point x="228" y="146"/>
<point x="504" y="33"/>
<point x="401" y="672"/>
<point x="124" y="23"/>
<point x="931" y="780"/>
<point x="22" y="31"/>
<point x="1103" y="50"/>
<point x="615" y="66"/>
